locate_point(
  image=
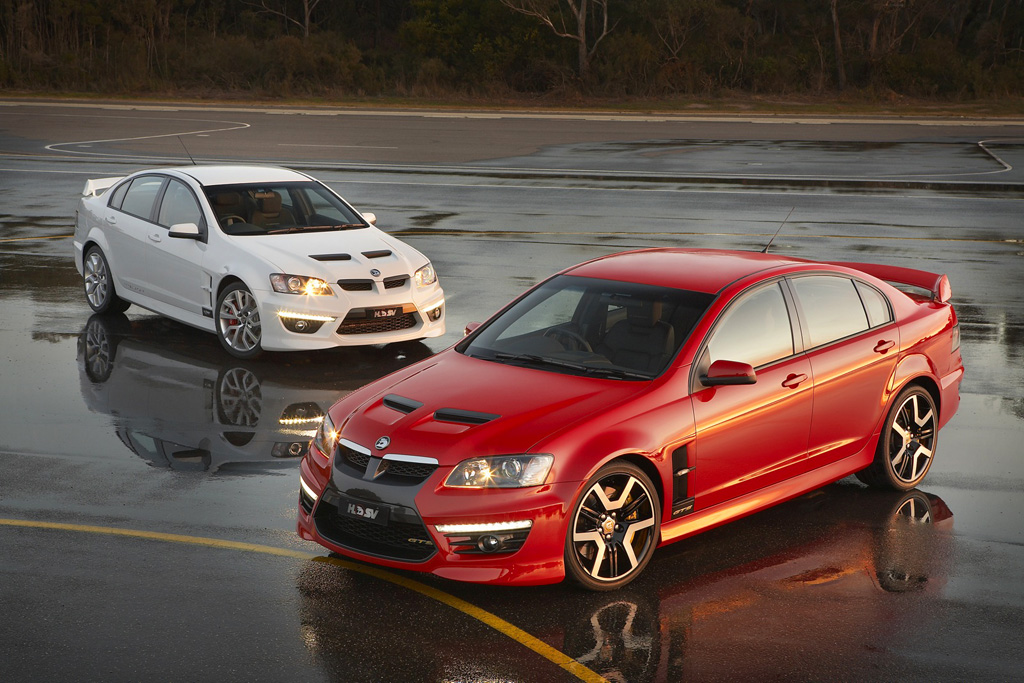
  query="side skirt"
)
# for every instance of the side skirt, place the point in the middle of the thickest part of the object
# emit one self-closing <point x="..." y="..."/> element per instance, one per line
<point x="766" y="497"/>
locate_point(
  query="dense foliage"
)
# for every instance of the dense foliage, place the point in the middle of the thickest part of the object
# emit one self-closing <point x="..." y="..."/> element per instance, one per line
<point x="957" y="49"/>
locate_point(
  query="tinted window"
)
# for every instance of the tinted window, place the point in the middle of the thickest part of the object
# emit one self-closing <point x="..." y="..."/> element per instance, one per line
<point x="875" y="303"/>
<point x="595" y="327"/>
<point x="179" y="205"/>
<point x="118" y="196"/>
<point x="140" y="196"/>
<point x="258" y="209"/>
<point x="755" y="330"/>
<point x="831" y="307"/>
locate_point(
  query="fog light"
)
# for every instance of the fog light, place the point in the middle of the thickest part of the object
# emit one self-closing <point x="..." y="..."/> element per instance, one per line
<point x="488" y="543"/>
<point x="303" y="323"/>
<point x="435" y="313"/>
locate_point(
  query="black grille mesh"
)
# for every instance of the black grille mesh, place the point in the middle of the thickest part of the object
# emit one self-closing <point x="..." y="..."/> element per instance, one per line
<point x="353" y="325"/>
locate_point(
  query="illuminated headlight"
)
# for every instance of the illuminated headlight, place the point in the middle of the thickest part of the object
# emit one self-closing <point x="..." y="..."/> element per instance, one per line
<point x="299" y="284"/>
<point x="326" y="437"/>
<point x="503" y="472"/>
<point x="425" y="276"/>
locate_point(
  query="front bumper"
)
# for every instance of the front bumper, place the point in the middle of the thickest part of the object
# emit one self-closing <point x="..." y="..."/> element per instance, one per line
<point x="410" y="539"/>
<point x="294" y="322"/>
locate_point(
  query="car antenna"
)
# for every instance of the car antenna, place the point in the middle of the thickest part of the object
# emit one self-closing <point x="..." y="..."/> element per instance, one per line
<point x="190" y="156"/>
<point x="765" y="250"/>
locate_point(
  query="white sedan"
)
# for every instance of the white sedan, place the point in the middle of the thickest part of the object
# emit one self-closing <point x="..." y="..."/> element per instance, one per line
<point x="269" y="259"/>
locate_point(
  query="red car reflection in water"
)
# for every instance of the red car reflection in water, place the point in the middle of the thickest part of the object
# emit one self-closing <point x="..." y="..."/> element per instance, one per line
<point x="632" y="401"/>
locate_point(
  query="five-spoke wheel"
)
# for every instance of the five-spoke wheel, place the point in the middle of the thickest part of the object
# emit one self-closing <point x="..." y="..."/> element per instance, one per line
<point x="614" y="527"/>
<point x="907" y="443"/>
<point x="238" y="321"/>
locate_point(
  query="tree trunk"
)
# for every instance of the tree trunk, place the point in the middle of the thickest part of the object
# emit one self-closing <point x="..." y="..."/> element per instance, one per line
<point x="840" y="67"/>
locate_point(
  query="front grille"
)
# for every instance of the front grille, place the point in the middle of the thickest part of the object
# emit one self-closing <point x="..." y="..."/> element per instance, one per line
<point x="360" y="325"/>
<point x="412" y="470"/>
<point x="395" y="282"/>
<point x="353" y="458"/>
<point x="356" y="285"/>
<point x="404" y="538"/>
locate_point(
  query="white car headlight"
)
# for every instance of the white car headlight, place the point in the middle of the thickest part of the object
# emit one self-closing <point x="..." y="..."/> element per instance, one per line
<point x="326" y="437"/>
<point x="299" y="284"/>
<point x="503" y="471"/>
<point x="426" y="276"/>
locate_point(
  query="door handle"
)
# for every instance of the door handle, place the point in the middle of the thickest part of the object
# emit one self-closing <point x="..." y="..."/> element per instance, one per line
<point x="112" y="220"/>
<point x="884" y="345"/>
<point x="794" y="381"/>
<point x="154" y="237"/>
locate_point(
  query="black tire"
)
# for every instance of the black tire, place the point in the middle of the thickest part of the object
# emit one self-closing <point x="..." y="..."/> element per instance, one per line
<point x="907" y="444"/>
<point x="238" y="322"/>
<point x="613" y="528"/>
<point x="99" y="283"/>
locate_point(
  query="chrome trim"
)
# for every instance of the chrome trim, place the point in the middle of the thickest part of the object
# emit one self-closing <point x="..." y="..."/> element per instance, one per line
<point x="354" y="446"/>
<point x="419" y="459"/>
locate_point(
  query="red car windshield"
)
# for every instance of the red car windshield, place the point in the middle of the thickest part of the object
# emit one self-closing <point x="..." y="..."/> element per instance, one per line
<point x="604" y="328"/>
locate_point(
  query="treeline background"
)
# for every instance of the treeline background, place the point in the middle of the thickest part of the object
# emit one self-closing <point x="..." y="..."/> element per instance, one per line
<point x="945" y="49"/>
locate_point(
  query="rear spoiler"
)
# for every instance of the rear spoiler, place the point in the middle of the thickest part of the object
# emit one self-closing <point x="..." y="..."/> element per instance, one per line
<point x="938" y="285"/>
<point x="97" y="186"/>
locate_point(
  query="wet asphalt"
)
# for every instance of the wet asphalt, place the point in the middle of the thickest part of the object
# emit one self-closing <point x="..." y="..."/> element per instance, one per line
<point x="142" y="426"/>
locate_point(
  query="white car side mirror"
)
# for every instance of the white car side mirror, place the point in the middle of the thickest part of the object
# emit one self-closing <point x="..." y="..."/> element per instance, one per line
<point x="370" y="217"/>
<point x="185" y="231"/>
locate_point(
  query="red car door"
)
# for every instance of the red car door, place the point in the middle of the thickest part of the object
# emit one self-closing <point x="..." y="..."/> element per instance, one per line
<point x="751" y="436"/>
<point x="852" y="346"/>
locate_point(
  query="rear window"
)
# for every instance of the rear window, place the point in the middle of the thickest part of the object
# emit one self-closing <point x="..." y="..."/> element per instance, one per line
<point x="831" y="306"/>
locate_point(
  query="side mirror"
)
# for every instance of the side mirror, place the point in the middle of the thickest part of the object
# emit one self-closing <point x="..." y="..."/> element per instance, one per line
<point x="470" y="329"/>
<point x="728" y="372"/>
<point x="370" y="217"/>
<point x="185" y="231"/>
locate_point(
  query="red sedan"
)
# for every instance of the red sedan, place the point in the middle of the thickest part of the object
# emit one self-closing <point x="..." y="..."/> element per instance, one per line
<point x="632" y="401"/>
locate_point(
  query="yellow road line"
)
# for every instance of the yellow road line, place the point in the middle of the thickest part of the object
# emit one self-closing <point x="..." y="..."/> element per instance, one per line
<point x="494" y="621"/>
<point x="24" y="239"/>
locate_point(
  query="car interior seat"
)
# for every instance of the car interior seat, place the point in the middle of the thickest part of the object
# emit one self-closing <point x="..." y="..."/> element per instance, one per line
<point x="269" y="211"/>
<point x="643" y="341"/>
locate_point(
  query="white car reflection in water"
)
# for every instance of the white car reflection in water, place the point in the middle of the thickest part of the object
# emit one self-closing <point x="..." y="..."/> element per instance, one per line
<point x="187" y="407"/>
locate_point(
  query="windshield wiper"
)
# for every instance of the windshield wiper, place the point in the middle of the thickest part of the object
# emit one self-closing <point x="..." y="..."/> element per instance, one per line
<point x="612" y="373"/>
<point x="616" y="373"/>
<point x="539" y="360"/>
<point x="315" y="228"/>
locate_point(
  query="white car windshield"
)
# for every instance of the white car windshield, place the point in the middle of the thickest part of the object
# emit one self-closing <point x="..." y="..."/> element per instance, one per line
<point x="280" y="208"/>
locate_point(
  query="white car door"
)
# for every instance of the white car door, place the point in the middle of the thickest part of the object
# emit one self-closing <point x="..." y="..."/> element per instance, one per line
<point x="176" y="272"/>
<point x="128" y="223"/>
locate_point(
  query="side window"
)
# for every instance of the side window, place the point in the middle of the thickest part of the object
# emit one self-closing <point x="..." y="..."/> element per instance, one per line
<point x="831" y="306"/>
<point x="755" y="330"/>
<point x="118" y="196"/>
<point x="139" y="199"/>
<point x="875" y="303"/>
<point x="179" y="205"/>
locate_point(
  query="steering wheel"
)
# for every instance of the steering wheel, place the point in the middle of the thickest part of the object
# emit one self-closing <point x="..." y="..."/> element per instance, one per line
<point x="231" y="219"/>
<point x="578" y="343"/>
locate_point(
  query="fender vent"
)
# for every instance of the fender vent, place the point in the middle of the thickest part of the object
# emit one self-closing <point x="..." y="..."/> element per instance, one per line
<point x="401" y="404"/>
<point x="466" y="417"/>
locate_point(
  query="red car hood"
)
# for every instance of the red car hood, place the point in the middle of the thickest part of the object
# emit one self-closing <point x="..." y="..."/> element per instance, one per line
<point x="515" y="407"/>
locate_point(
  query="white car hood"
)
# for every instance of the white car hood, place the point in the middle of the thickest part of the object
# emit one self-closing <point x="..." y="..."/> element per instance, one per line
<point x="323" y="254"/>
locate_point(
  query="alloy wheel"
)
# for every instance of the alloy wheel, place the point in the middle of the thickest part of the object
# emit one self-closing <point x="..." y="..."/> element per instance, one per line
<point x="239" y="321"/>
<point x="614" y="528"/>
<point x="912" y="438"/>
<point x="97" y="279"/>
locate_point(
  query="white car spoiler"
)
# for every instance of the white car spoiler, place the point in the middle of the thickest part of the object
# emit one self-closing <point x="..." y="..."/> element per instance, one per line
<point x="96" y="186"/>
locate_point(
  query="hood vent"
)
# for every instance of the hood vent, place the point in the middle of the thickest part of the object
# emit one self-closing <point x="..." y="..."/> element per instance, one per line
<point x="331" y="257"/>
<point x="380" y="253"/>
<point x="466" y="417"/>
<point x="401" y="403"/>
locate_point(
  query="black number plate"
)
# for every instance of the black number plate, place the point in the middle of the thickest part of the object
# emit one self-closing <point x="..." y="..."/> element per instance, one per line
<point x="368" y="512"/>
<point x="384" y="312"/>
